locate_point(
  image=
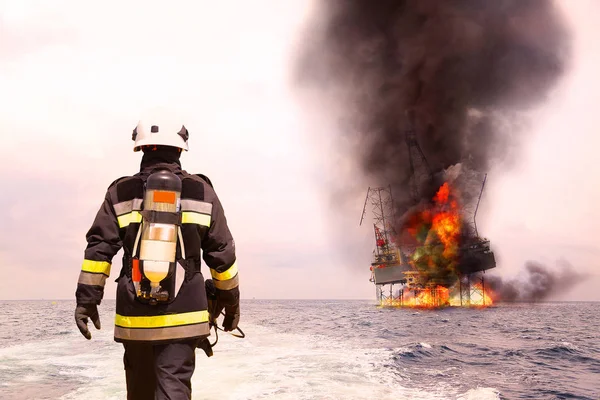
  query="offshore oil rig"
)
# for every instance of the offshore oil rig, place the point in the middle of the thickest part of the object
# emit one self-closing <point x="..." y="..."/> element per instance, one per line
<point x="444" y="260"/>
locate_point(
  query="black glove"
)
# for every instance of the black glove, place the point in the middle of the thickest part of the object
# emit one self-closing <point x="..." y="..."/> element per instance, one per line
<point x="219" y="300"/>
<point x="214" y="308"/>
<point x="82" y="313"/>
<point x="232" y="318"/>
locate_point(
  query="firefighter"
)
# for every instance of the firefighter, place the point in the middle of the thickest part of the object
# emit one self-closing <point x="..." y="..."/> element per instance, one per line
<point x="164" y="219"/>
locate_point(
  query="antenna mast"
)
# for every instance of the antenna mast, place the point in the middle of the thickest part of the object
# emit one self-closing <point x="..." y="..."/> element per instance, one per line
<point x="419" y="167"/>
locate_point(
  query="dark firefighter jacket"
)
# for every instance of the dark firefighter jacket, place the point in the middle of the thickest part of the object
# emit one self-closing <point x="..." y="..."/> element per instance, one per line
<point x="204" y="227"/>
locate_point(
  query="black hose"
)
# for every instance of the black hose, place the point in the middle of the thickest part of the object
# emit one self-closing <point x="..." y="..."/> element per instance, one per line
<point x="216" y="336"/>
<point x="241" y="334"/>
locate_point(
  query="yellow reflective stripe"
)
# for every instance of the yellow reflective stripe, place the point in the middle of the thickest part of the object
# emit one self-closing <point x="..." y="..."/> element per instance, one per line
<point x="129" y="218"/>
<point x="161" y="321"/>
<point x="156" y="334"/>
<point x="96" y="267"/>
<point x="223" y="276"/>
<point x="190" y="217"/>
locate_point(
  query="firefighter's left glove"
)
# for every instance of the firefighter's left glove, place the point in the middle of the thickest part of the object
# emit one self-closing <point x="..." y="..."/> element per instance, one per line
<point x="232" y="317"/>
<point x="82" y="313"/>
<point x="214" y="308"/>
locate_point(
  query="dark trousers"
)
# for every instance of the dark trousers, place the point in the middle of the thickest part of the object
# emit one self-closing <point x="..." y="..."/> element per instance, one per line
<point x="159" y="372"/>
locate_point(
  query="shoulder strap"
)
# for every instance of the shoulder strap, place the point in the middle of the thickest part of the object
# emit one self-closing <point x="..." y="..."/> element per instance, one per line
<point x="205" y="179"/>
<point x="117" y="180"/>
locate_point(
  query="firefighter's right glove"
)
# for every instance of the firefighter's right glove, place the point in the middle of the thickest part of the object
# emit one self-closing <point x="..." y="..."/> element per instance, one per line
<point x="82" y="313"/>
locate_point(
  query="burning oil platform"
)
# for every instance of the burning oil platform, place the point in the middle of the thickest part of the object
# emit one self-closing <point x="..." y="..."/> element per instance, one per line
<point x="433" y="256"/>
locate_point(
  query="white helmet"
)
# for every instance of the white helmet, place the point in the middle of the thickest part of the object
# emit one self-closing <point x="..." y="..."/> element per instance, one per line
<point x="157" y="130"/>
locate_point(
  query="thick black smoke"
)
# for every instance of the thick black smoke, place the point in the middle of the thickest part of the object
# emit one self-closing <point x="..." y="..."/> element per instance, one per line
<point x="468" y="69"/>
<point x="536" y="283"/>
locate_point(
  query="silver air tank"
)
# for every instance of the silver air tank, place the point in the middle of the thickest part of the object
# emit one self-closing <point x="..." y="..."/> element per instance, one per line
<point x="159" y="232"/>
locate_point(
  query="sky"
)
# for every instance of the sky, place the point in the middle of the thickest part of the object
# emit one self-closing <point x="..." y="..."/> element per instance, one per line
<point x="74" y="78"/>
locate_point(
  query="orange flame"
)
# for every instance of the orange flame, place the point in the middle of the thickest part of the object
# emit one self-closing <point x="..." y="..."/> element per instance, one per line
<point x="446" y="223"/>
<point x="425" y="229"/>
<point x="439" y="296"/>
<point x="432" y="297"/>
<point x="443" y="194"/>
<point x="482" y="296"/>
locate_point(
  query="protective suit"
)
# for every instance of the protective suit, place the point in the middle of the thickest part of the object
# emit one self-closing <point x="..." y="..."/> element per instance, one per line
<point x="159" y="334"/>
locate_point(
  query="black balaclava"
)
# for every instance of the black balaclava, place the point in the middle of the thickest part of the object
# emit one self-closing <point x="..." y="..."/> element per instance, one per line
<point x="162" y="154"/>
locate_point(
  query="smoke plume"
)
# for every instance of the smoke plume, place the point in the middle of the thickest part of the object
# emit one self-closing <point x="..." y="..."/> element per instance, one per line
<point x="460" y="74"/>
<point x="467" y="68"/>
<point x="536" y="283"/>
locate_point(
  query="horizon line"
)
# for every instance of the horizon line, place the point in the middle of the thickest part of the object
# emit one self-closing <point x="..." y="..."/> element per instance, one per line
<point x="332" y="299"/>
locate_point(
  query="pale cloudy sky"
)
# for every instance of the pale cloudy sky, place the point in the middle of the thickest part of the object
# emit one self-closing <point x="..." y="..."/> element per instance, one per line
<point x="73" y="78"/>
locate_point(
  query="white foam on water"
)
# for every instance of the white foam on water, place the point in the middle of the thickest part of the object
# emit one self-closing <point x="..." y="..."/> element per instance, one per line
<point x="294" y="366"/>
<point x="57" y="366"/>
<point x="569" y="345"/>
<point x="30" y="378"/>
<point x="402" y="350"/>
<point x="104" y="392"/>
<point x="264" y="365"/>
<point x="480" y="394"/>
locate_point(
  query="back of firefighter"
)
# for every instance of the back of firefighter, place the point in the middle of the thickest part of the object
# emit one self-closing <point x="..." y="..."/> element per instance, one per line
<point x="160" y="338"/>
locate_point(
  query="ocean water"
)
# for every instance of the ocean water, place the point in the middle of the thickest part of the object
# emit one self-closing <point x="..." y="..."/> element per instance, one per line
<point x="326" y="350"/>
